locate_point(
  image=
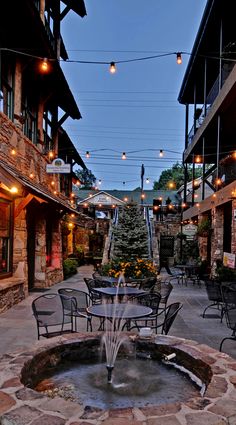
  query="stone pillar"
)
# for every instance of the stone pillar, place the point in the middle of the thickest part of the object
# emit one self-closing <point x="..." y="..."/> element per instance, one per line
<point x="40" y="253"/>
<point x="217" y="237"/>
<point x="56" y="245"/>
<point x="233" y="243"/>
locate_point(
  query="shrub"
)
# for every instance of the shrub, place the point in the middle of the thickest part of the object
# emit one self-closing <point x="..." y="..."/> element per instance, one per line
<point x="226" y="274"/>
<point x="137" y="269"/>
<point x="69" y="267"/>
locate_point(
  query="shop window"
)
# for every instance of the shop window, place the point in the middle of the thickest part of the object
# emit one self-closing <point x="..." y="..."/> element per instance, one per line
<point x="5" y="237"/>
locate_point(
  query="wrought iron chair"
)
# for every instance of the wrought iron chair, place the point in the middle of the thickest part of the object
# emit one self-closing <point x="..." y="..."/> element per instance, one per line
<point x="50" y="315"/>
<point x="83" y="300"/>
<point x="229" y="300"/>
<point x="165" y="291"/>
<point x="148" y="284"/>
<point x="91" y="284"/>
<point x="149" y="300"/>
<point x="213" y="289"/>
<point x="169" y="314"/>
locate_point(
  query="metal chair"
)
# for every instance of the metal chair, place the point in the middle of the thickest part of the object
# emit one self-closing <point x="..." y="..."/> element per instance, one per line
<point x="229" y="300"/>
<point x="83" y="300"/>
<point x="165" y="291"/>
<point x="148" y="284"/>
<point x="169" y="314"/>
<point x="149" y="300"/>
<point x="91" y="284"/>
<point x="213" y="289"/>
<point x="50" y="315"/>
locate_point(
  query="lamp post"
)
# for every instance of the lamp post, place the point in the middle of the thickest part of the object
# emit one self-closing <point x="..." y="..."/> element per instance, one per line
<point x="142" y="177"/>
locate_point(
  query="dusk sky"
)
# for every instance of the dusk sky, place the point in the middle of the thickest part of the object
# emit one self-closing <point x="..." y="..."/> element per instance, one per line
<point x="135" y="109"/>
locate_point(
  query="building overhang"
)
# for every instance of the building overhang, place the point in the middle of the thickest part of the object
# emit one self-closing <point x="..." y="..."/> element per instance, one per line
<point x="67" y="151"/>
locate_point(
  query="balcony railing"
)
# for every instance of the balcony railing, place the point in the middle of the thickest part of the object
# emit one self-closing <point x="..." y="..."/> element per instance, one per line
<point x="212" y="95"/>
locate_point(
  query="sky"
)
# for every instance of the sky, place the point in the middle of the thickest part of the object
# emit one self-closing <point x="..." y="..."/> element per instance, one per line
<point x="135" y="110"/>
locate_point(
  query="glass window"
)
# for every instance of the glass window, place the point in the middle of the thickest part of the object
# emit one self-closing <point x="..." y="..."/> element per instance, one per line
<point x="5" y="236"/>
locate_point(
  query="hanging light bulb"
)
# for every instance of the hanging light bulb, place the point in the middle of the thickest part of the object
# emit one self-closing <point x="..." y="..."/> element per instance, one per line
<point x="218" y="181"/>
<point x="198" y="159"/>
<point x="99" y="181"/>
<point x="147" y="180"/>
<point x="234" y="154"/>
<point x="112" y="68"/>
<point x="161" y="153"/>
<point x="44" y="66"/>
<point x="87" y="154"/>
<point x="14" y="190"/>
<point x="178" y="58"/>
<point x="123" y="155"/>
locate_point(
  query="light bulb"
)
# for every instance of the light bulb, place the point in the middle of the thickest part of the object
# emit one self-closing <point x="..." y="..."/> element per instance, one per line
<point x="147" y="180"/>
<point x="178" y="58"/>
<point x="14" y="189"/>
<point x="99" y="181"/>
<point x="87" y="154"/>
<point x="13" y="152"/>
<point x="123" y="155"/>
<point x="112" y="68"/>
<point x="44" y="66"/>
<point x="161" y="153"/>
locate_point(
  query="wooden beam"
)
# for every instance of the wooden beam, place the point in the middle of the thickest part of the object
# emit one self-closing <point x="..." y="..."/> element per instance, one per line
<point x="25" y="202"/>
<point x="64" y="12"/>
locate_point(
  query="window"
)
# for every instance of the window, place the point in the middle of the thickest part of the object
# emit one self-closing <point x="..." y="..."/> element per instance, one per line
<point x="47" y="131"/>
<point x="7" y="87"/>
<point x="5" y="237"/>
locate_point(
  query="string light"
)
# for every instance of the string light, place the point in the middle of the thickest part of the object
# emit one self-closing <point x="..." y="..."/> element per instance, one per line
<point x="123" y="155"/>
<point x="147" y="180"/>
<point x="44" y="65"/>
<point x="99" y="181"/>
<point x="218" y="182"/>
<point x="87" y="154"/>
<point x="198" y="159"/>
<point x="161" y="153"/>
<point x="13" y="152"/>
<point x="179" y="58"/>
<point x="51" y="154"/>
<point x="14" y="190"/>
<point x="31" y="175"/>
<point x="112" y="68"/>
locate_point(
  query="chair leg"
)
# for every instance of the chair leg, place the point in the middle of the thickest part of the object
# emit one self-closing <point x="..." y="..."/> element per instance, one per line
<point x="224" y="339"/>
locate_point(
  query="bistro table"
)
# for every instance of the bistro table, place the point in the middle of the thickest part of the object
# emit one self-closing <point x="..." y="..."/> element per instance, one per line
<point x="116" y="312"/>
<point x="120" y="292"/>
<point x="190" y="271"/>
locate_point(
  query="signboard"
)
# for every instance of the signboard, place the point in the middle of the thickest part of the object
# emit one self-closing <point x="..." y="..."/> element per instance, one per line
<point x="229" y="260"/>
<point x="58" y="166"/>
<point x="189" y="230"/>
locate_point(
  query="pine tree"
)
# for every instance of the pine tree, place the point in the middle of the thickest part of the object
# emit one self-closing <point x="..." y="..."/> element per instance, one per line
<point x="130" y="235"/>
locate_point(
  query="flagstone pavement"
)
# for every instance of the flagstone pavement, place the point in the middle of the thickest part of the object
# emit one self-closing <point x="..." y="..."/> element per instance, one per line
<point x="18" y="326"/>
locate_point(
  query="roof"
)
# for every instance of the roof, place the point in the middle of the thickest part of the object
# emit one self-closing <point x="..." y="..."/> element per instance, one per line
<point x="67" y="150"/>
<point x="37" y="188"/>
<point x="77" y="6"/>
<point x="133" y="195"/>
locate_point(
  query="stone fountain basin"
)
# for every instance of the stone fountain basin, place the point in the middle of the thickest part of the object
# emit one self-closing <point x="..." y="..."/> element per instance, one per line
<point x="21" y="405"/>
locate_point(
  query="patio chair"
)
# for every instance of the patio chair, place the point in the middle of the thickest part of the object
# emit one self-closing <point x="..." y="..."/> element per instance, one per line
<point x="149" y="300"/>
<point x="50" y="315"/>
<point x="91" y="284"/>
<point x="169" y="314"/>
<point x="165" y="291"/>
<point x="213" y="289"/>
<point x="148" y="284"/>
<point x="83" y="300"/>
<point x="229" y="300"/>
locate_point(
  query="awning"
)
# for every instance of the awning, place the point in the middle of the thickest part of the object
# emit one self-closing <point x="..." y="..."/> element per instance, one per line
<point x="7" y="173"/>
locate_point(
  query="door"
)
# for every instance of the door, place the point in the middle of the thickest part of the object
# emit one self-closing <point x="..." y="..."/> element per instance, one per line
<point x="30" y="223"/>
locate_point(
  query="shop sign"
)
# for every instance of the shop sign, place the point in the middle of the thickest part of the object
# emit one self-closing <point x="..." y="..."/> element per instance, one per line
<point x="189" y="230"/>
<point x="58" y="166"/>
<point x="229" y="260"/>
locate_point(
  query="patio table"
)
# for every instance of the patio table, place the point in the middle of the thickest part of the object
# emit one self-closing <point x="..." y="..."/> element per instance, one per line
<point x="120" y="292"/>
<point x="117" y="312"/>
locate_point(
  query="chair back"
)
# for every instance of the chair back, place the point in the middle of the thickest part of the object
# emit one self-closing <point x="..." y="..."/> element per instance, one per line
<point x="213" y="289"/>
<point x="148" y="284"/>
<point x="91" y="284"/>
<point x="170" y="315"/>
<point x="83" y="299"/>
<point x="165" y="291"/>
<point x="229" y="300"/>
<point x="48" y="310"/>
<point x="149" y="300"/>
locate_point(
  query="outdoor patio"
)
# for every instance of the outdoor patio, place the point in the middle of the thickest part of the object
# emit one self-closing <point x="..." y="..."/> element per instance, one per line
<point x="18" y="326"/>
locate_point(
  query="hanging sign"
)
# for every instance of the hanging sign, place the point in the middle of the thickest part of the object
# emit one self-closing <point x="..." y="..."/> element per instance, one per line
<point x="229" y="260"/>
<point x="58" y="166"/>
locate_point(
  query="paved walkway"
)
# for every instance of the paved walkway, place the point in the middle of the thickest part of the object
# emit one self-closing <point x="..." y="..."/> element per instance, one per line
<point x="18" y="327"/>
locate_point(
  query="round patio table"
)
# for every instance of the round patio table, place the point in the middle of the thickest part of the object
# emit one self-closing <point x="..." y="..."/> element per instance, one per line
<point x="120" y="292"/>
<point x="116" y="312"/>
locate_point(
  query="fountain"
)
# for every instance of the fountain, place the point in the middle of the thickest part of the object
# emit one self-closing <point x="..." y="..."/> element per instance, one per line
<point x="214" y="404"/>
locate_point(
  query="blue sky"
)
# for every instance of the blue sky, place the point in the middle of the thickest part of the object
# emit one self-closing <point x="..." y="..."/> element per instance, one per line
<point x="135" y="109"/>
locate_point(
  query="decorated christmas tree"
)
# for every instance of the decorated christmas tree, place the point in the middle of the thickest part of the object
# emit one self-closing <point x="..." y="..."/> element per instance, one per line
<point x="130" y="235"/>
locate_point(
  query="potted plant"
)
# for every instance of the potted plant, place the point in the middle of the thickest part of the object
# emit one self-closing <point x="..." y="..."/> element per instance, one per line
<point x="204" y="228"/>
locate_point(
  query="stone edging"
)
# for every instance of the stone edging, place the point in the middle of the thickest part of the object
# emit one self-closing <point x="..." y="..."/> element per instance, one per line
<point x="21" y="405"/>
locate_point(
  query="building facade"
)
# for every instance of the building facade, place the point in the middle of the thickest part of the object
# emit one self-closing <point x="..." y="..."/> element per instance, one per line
<point x="208" y="92"/>
<point x="35" y="101"/>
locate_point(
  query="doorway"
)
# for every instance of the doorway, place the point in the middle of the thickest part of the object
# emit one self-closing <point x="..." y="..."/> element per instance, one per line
<point x="30" y="224"/>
